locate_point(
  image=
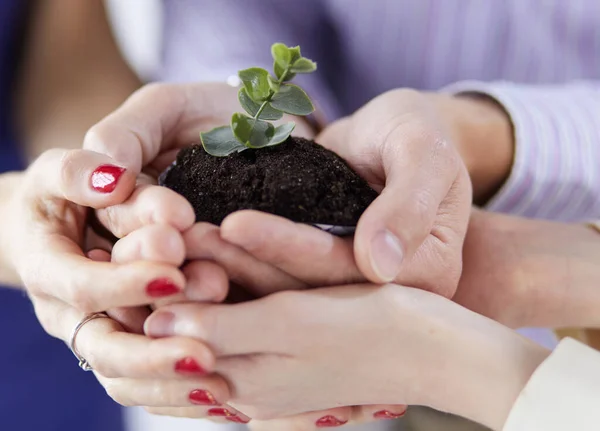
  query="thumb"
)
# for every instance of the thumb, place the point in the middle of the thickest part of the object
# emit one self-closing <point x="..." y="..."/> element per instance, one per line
<point x="395" y="225"/>
<point x="83" y="177"/>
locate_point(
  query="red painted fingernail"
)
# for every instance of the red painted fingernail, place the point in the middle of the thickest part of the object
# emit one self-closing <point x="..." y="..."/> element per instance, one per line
<point x="161" y="287"/>
<point x="189" y="365"/>
<point x="202" y="397"/>
<point x="237" y="419"/>
<point x="386" y="414"/>
<point x="220" y="412"/>
<point x="329" y="421"/>
<point x="105" y="178"/>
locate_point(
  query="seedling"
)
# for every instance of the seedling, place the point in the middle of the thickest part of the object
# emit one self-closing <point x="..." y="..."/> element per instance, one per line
<point x="265" y="98"/>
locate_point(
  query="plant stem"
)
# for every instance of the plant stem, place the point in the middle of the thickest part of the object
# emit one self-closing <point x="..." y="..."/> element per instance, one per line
<point x="271" y="94"/>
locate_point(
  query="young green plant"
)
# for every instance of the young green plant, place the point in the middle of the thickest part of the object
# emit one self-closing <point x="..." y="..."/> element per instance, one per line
<point x="264" y="98"/>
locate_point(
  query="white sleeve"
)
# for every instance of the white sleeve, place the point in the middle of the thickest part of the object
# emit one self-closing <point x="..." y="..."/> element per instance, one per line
<point x="563" y="394"/>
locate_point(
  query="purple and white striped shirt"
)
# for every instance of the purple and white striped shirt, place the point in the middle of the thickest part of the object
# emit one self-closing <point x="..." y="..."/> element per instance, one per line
<point x="539" y="58"/>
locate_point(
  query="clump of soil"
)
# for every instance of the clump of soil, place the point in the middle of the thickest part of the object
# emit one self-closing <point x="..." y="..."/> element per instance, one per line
<point x="298" y="179"/>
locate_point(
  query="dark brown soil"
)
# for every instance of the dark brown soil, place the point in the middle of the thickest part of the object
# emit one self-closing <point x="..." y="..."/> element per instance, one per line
<point x="299" y="180"/>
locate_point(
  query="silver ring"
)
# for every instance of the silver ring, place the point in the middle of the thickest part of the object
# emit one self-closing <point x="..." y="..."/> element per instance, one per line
<point x="83" y="363"/>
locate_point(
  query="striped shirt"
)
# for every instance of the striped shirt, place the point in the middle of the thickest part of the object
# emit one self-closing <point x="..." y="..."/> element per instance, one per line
<point x="539" y="58"/>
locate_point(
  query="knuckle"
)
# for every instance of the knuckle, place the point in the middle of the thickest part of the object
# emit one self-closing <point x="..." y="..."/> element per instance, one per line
<point x="422" y="209"/>
<point x="154" y="91"/>
<point x="114" y="221"/>
<point x="81" y="300"/>
<point x="94" y="137"/>
<point x="68" y="167"/>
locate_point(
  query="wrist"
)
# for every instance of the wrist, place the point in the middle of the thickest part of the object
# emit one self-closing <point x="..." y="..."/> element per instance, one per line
<point x="488" y="368"/>
<point x="8" y="183"/>
<point x="483" y="134"/>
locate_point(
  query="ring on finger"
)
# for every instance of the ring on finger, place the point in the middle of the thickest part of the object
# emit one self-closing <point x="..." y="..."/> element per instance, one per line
<point x="83" y="363"/>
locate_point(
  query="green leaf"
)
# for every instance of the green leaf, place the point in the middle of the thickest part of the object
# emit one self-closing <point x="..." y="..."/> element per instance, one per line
<point x="279" y="73"/>
<point x="291" y="99"/>
<point x="220" y="142"/>
<point x="282" y="133"/>
<point x="295" y="54"/>
<point x="251" y="107"/>
<point x="256" y="83"/>
<point x="303" y="65"/>
<point x="281" y="55"/>
<point x="273" y="84"/>
<point x="253" y="133"/>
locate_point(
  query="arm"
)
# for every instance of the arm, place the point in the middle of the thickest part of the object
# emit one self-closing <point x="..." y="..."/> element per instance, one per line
<point x="72" y="74"/>
<point x="553" y="172"/>
<point x="8" y="183"/>
<point x="563" y="393"/>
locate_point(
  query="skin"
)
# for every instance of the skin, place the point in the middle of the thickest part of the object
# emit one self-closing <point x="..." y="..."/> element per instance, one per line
<point x="143" y="135"/>
<point x="156" y="150"/>
<point x="427" y="351"/>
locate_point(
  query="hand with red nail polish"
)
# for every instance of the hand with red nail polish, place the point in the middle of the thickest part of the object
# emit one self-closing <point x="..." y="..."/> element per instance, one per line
<point x="377" y="346"/>
<point x="44" y="230"/>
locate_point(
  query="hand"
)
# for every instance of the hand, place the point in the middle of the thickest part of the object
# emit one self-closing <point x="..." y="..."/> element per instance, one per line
<point x="415" y="229"/>
<point x="45" y="233"/>
<point x="357" y="345"/>
<point x="517" y="271"/>
<point x="146" y="133"/>
<point x="44" y="229"/>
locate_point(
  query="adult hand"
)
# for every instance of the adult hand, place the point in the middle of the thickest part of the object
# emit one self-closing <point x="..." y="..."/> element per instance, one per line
<point x="415" y="229"/>
<point x="146" y="133"/>
<point x="299" y="351"/>
<point x="518" y="271"/>
<point x="44" y="229"/>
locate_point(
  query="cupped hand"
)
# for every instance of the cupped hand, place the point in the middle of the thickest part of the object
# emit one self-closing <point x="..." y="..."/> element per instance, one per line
<point x="302" y="351"/>
<point x="518" y="271"/>
<point x="47" y="219"/>
<point x="146" y="133"/>
<point x="415" y="229"/>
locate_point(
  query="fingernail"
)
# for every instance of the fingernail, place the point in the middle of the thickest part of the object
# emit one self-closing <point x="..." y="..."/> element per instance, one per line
<point x="160" y="324"/>
<point x="202" y="397"/>
<point x="386" y="255"/>
<point x="161" y="287"/>
<point x="237" y="419"/>
<point x="220" y="412"/>
<point x="386" y="414"/>
<point x="105" y="178"/>
<point x="329" y="421"/>
<point x="186" y="365"/>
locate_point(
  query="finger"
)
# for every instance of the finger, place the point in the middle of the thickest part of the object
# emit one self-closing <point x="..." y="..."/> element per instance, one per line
<point x="203" y="241"/>
<point x="310" y="421"/>
<point x="154" y="243"/>
<point x="219" y="325"/>
<point x="201" y="391"/>
<point x="108" y="349"/>
<point x="206" y="282"/>
<point x="158" y="118"/>
<point x="420" y="168"/>
<point x="96" y="286"/>
<point x="148" y="204"/>
<point x="378" y="412"/>
<point x="304" y="252"/>
<point x="217" y="414"/>
<point x="83" y="177"/>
